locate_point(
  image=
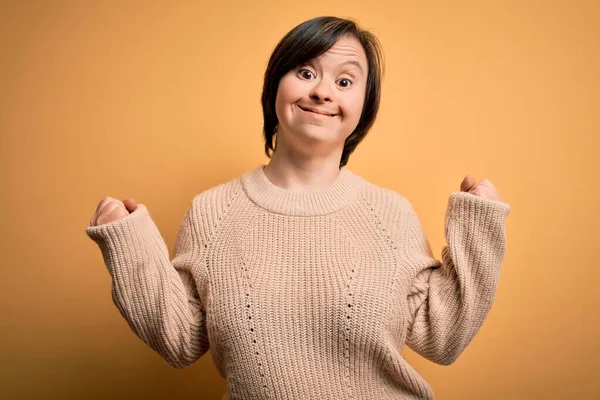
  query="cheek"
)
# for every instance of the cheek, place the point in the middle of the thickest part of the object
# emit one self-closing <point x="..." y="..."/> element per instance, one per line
<point x="284" y="95"/>
<point x="353" y="108"/>
<point x="279" y="103"/>
<point x="287" y="88"/>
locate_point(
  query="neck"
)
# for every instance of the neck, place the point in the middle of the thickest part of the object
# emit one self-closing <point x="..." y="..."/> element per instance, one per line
<point x="302" y="173"/>
<point x="344" y="190"/>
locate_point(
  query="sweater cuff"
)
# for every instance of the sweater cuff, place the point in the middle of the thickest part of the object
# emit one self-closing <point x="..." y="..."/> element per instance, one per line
<point x="466" y="206"/>
<point x="125" y="240"/>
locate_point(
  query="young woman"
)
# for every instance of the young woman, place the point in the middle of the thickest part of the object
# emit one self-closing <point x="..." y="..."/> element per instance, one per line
<point x="303" y="279"/>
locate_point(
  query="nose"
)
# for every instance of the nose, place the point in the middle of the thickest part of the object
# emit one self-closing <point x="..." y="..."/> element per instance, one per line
<point x="321" y="92"/>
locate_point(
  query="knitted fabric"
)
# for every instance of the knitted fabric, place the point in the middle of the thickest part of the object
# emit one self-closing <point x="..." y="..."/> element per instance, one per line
<point x="307" y="295"/>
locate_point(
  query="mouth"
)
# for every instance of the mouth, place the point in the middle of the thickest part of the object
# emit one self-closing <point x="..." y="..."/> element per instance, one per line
<point x="316" y="112"/>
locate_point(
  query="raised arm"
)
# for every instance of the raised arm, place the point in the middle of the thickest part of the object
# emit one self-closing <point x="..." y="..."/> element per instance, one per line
<point x="157" y="296"/>
<point x="449" y="300"/>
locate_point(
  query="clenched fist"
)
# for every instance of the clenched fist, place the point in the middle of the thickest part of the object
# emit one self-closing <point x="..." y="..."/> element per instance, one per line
<point x="110" y="210"/>
<point x="484" y="188"/>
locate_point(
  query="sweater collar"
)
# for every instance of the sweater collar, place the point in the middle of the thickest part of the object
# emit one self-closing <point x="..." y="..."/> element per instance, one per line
<point x="343" y="191"/>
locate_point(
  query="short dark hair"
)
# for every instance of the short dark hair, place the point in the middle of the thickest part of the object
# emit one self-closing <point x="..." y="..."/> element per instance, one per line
<point x="311" y="39"/>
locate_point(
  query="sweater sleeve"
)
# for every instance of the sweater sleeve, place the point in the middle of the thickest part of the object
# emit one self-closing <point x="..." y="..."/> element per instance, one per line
<point x="157" y="296"/>
<point x="449" y="300"/>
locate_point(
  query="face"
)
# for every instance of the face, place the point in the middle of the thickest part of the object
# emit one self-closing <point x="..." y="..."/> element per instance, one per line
<point x="320" y="102"/>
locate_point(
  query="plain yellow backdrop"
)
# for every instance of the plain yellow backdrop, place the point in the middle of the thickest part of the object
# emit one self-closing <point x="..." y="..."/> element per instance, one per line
<point x="160" y="100"/>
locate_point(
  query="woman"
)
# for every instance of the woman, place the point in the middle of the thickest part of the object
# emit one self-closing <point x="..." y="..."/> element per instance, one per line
<point x="304" y="279"/>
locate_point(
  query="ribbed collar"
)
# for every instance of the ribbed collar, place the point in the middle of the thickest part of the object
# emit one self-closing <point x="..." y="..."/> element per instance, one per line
<point x="343" y="191"/>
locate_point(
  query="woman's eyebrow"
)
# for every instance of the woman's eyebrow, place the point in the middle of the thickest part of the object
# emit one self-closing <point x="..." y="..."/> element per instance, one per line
<point x="355" y="63"/>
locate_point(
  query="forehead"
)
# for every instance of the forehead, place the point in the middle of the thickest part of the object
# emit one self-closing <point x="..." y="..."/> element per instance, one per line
<point x="346" y="50"/>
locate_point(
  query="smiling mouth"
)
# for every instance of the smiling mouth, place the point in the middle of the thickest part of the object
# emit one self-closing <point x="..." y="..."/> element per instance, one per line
<point x="316" y="113"/>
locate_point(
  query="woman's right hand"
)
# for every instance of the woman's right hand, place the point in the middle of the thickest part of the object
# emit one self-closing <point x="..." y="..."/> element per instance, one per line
<point x="110" y="210"/>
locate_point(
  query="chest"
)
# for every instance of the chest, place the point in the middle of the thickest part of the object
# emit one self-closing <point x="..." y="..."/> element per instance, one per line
<point x="304" y="282"/>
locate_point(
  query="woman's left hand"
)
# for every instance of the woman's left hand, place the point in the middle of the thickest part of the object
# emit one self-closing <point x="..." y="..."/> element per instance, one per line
<point x="484" y="188"/>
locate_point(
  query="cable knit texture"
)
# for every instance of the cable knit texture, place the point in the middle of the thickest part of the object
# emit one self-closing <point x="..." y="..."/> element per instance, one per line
<point x="307" y="295"/>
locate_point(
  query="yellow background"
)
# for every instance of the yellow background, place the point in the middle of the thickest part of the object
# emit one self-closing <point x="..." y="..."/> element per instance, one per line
<point x="160" y="101"/>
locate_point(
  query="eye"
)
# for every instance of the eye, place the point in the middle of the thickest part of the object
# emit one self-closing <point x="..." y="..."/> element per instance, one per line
<point x="346" y="82"/>
<point x="305" y="73"/>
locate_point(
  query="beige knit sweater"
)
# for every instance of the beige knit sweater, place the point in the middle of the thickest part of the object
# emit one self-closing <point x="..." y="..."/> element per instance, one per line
<point x="307" y="295"/>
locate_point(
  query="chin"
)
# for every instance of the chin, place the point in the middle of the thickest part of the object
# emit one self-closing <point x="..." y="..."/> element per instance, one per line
<point x="317" y="132"/>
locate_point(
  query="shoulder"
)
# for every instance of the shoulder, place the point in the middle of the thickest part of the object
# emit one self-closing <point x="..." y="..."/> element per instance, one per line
<point x="209" y="208"/>
<point x="212" y="204"/>
<point x="383" y="198"/>
<point x="390" y="210"/>
<point x="395" y="217"/>
<point x="217" y="198"/>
